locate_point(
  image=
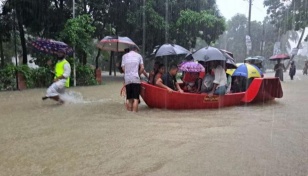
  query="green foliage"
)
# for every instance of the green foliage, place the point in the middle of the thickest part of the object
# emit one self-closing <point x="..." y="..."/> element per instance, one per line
<point x="7" y="78"/>
<point x="287" y="15"/>
<point x="192" y="24"/>
<point x="85" y="75"/>
<point x="78" y="32"/>
<point x="27" y="73"/>
<point x="42" y="77"/>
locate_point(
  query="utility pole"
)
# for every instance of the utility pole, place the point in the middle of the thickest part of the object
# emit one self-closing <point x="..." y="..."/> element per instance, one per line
<point x="263" y="38"/>
<point x="249" y="16"/>
<point x="167" y="22"/>
<point x="249" y="20"/>
<point x="15" y="47"/>
<point x="143" y="29"/>
<point x="74" y="55"/>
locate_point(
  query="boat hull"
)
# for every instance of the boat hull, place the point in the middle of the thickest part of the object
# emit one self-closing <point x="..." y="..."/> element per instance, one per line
<point x="261" y="89"/>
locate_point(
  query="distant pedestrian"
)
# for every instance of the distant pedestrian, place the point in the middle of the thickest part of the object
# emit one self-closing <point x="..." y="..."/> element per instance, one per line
<point x="132" y="65"/>
<point x="292" y="70"/>
<point x="305" y="68"/>
<point x="279" y="69"/>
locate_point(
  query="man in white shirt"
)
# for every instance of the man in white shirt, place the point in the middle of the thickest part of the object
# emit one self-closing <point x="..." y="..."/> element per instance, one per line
<point x="61" y="79"/>
<point x="132" y="65"/>
<point x="220" y="81"/>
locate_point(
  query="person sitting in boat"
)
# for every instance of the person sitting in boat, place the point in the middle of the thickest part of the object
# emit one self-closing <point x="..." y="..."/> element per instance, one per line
<point x="229" y="81"/>
<point x="220" y="81"/>
<point x="169" y="80"/>
<point x="159" y="74"/>
<point x="239" y="84"/>
<point x="152" y="73"/>
<point x="190" y="81"/>
<point x="207" y="82"/>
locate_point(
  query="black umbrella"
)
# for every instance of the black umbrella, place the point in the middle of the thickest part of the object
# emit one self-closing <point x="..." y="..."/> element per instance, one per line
<point x="207" y="54"/>
<point x="170" y="50"/>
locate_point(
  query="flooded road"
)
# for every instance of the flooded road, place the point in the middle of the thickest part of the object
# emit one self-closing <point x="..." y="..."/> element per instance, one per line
<point x="94" y="135"/>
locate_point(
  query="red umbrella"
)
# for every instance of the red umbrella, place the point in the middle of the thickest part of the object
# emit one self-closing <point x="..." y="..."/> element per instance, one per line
<point x="279" y="57"/>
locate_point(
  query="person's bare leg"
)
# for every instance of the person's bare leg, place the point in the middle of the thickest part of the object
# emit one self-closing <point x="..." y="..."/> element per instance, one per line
<point x="130" y="105"/>
<point x="135" y="105"/>
<point x="127" y="105"/>
<point x="57" y="98"/>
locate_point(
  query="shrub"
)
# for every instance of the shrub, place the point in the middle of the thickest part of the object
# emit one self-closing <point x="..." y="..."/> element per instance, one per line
<point x="42" y="76"/>
<point x="8" y="78"/>
<point x="85" y="75"/>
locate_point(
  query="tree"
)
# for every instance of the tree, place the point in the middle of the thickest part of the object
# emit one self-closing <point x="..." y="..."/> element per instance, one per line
<point x="263" y="37"/>
<point x="288" y="16"/>
<point x="191" y="25"/>
<point x="78" y="32"/>
<point x="5" y="34"/>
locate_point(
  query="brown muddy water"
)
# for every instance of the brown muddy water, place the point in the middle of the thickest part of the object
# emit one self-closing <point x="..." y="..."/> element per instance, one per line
<point x="93" y="134"/>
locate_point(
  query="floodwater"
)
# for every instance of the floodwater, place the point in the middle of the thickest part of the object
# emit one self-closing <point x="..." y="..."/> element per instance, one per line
<point x="93" y="134"/>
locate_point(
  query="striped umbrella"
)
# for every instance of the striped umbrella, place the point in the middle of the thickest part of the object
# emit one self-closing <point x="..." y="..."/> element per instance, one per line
<point x="115" y="43"/>
<point x="248" y="71"/>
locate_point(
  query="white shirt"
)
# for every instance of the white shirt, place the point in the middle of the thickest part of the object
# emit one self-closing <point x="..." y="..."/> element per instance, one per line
<point x="67" y="70"/>
<point x="220" y="76"/>
<point x="131" y="62"/>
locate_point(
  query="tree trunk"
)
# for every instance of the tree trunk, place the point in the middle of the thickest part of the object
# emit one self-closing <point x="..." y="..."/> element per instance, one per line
<point x="1" y="52"/>
<point x="61" y="4"/>
<point x="22" y="37"/>
<point x="110" y="62"/>
<point x="85" y="6"/>
<point x="96" y="59"/>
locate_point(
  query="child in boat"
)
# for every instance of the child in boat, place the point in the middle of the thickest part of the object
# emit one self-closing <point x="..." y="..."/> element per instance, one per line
<point x="207" y="81"/>
<point x="190" y="81"/>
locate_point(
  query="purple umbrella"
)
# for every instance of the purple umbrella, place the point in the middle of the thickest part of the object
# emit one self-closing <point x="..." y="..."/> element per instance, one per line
<point x="49" y="46"/>
<point x="191" y="67"/>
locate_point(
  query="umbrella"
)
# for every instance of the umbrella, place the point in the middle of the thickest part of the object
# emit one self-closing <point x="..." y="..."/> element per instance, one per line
<point x="170" y="49"/>
<point x="231" y="71"/>
<point x="50" y="46"/>
<point x="248" y="71"/>
<point x="208" y="54"/>
<point x="230" y="62"/>
<point x="228" y="52"/>
<point x="191" y="67"/>
<point x="279" y="57"/>
<point x="115" y="43"/>
<point x="256" y="59"/>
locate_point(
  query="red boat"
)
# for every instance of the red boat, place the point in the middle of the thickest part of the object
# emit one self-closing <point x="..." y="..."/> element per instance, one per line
<point x="260" y="90"/>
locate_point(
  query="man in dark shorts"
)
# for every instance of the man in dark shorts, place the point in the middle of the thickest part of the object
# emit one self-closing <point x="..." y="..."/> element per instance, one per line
<point x="132" y="65"/>
<point x="169" y="80"/>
